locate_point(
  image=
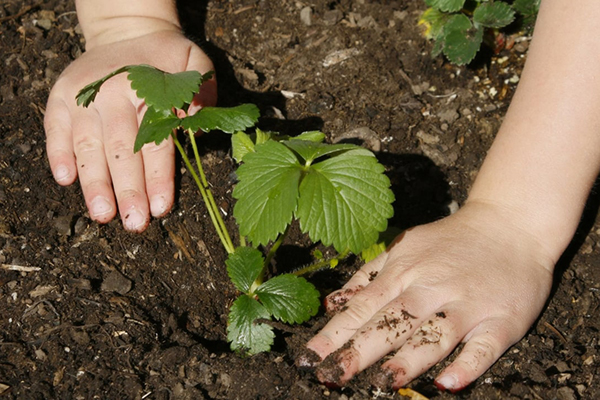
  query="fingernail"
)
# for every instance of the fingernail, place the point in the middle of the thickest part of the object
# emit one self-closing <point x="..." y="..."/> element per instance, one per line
<point x="384" y="380"/>
<point x="61" y="173"/>
<point x="100" y="206"/>
<point x="447" y="382"/>
<point x="158" y="206"/>
<point x="134" y="220"/>
<point x="309" y="359"/>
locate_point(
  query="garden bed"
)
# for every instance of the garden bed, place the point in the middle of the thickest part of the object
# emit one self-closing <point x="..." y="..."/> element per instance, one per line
<point x="95" y="312"/>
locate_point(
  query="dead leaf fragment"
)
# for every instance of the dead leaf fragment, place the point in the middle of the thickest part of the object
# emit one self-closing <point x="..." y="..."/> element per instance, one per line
<point x="411" y="394"/>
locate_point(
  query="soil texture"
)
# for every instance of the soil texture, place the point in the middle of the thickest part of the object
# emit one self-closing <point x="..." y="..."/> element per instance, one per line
<point x="90" y="311"/>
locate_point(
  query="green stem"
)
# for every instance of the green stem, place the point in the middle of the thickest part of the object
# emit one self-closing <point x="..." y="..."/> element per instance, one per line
<point x="211" y="200"/>
<point x="275" y="247"/>
<point x="214" y="216"/>
<point x="261" y="277"/>
<point x="330" y="263"/>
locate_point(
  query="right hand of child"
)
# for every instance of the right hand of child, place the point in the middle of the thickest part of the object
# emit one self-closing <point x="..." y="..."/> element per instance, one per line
<point x="96" y="143"/>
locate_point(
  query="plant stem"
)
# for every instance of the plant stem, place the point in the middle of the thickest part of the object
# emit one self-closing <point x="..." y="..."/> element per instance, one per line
<point x="214" y="216"/>
<point x="211" y="200"/>
<point x="330" y="263"/>
<point x="261" y="277"/>
<point x="275" y="247"/>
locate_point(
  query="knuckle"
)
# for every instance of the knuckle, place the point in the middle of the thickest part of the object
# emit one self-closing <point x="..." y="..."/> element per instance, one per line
<point x="87" y="144"/>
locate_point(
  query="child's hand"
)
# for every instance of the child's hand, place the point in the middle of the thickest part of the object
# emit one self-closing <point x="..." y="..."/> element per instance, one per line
<point x="474" y="277"/>
<point x="96" y="143"/>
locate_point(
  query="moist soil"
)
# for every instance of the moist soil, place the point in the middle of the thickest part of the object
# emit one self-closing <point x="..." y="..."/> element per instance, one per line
<point x="103" y="313"/>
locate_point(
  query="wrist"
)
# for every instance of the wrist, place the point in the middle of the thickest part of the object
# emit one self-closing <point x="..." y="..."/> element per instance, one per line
<point x="113" y="21"/>
<point x="510" y="229"/>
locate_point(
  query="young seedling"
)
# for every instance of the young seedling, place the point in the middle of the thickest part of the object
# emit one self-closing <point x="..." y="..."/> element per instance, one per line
<point x="338" y="193"/>
<point x="458" y="26"/>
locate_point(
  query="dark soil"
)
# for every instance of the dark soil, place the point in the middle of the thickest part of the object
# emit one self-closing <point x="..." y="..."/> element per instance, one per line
<point x="111" y="315"/>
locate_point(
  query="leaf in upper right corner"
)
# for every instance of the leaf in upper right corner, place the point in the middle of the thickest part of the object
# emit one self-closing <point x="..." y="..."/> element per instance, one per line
<point x="246" y="335"/>
<point x="226" y="119"/>
<point x="462" y="40"/>
<point x="289" y="298"/>
<point x="346" y="201"/>
<point x="446" y="5"/>
<point x="493" y="15"/>
<point x="267" y="192"/>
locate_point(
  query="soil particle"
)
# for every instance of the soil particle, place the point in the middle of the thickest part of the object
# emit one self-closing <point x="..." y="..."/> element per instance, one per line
<point x="116" y="282"/>
<point x="335" y="302"/>
<point x="565" y="393"/>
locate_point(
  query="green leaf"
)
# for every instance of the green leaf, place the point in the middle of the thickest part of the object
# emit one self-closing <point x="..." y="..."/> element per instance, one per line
<point x="162" y="90"/>
<point x="289" y="298"/>
<point x="434" y="21"/>
<point x="267" y="192"/>
<point x="310" y="151"/>
<point x="527" y="7"/>
<point x="262" y="136"/>
<point x="462" y="40"/>
<point x="345" y="201"/>
<point x="243" y="267"/>
<point x="225" y="119"/>
<point x="493" y="15"/>
<point x="446" y="5"/>
<point x="312" y="136"/>
<point x="458" y="22"/>
<point x="88" y="94"/>
<point x="247" y="336"/>
<point x="385" y="239"/>
<point x="156" y="126"/>
<point x="241" y="144"/>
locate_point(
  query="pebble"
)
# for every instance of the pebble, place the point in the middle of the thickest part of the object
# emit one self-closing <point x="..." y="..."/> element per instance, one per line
<point x="43" y="23"/>
<point x="7" y="92"/>
<point x="81" y="225"/>
<point x="63" y="225"/>
<point x="448" y="115"/>
<point x="306" y="16"/>
<point x="428" y="138"/>
<point x="367" y="135"/>
<point x="116" y="282"/>
<point x="332" y="17"/>
<point x="565" y="393"/>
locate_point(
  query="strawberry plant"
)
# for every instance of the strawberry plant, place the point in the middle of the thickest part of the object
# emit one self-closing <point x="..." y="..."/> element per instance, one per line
<point x="338" y="193"/>
<point x="458" y="27"/>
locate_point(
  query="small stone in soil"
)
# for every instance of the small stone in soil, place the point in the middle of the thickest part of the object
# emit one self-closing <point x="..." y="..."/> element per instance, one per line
<point x="116" y="282"/>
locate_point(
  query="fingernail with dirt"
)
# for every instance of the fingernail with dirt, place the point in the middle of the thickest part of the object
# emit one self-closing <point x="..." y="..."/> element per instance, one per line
<point x="384" y="380"/>
<point x="308" y="359"/>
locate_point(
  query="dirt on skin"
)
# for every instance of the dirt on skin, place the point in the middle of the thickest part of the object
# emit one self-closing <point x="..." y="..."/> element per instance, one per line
<point x="101" y="313"/>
